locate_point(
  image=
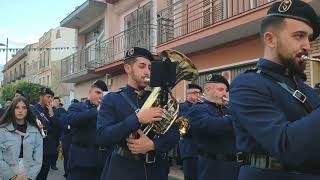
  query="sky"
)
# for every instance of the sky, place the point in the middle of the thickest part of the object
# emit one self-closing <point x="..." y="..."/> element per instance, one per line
<point x="25" y="21"/>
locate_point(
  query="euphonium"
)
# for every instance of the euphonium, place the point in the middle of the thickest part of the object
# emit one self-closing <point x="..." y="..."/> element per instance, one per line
<point x="185" y="70"/>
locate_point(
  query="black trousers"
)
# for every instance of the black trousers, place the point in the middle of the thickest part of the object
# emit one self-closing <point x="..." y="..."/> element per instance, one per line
<point x="46" y="163"/>
<point x="82" y="173"/>
<point x="190" y="168"/>
<point x="66" y="142"/>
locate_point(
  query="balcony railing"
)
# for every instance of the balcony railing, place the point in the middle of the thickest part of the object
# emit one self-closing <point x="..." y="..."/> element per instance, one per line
<point x="76" y="62"/>
<point x="142" y="35"/>
<point x="110" y="50"/>
<point x="187" y="16"/>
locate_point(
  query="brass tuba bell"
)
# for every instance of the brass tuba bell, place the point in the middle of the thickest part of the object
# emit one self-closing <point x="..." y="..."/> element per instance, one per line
<point x="185" y="70"/>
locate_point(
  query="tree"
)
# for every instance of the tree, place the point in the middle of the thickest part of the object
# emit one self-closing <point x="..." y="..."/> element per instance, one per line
<point x="30" y="90"/>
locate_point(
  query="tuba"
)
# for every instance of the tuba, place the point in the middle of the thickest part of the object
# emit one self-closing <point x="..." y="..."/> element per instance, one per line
<point x="185" y="70"/>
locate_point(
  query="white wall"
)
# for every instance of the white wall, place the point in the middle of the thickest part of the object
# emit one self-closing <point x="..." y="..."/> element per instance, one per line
<point x="67" y="39"/>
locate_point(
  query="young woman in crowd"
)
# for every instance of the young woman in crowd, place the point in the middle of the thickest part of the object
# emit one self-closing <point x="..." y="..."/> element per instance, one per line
<point x="20" y="143"/>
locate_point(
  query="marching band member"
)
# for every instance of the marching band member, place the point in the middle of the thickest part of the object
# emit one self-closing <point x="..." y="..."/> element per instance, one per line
<point x="119" y="116"/>
<point x="188" y="148"/>
<point x="86" y="156"/>
<point x="213" y="132"/>
<point x="276" y="113"/>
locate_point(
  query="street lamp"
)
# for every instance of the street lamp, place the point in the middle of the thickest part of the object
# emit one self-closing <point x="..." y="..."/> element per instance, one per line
<point x="1" y="44"/>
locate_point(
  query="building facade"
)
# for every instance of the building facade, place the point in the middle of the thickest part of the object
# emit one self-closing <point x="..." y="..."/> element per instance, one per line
<point x="219" y="36"/>
<point x="14" y="70"/>
<point x="106" y="29"/>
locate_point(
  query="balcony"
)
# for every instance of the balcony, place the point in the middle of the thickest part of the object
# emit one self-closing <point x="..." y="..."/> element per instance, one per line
<point x="84" y="14"/>
<point x="78" y="67"/>
<point x="112" y="50"/>
<point x="106" y="56"/>
<point x="194" y="25"/>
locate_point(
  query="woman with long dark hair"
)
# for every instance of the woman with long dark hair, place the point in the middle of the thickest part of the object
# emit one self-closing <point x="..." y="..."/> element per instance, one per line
<point x="20" y="143"/>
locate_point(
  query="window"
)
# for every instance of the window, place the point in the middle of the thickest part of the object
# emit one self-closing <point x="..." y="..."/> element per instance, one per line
<point x="20" y="70"/>
<point x="24" y="68"/>
<point x="48" y="80"/>
<point x="48" y="58"/>
<point x="15" y="73"/>
<point x="136" y="23"/>
<point x="58" y="35"/>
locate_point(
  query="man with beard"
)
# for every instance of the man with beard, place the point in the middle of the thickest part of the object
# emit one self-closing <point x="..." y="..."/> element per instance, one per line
<point x="136" y="156"/>
<point x="276" y="113"/>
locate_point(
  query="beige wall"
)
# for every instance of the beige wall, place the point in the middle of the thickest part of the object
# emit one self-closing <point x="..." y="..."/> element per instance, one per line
<point x="118" y="81"/>
<point x="246" y="49"/>
<point x="81" y="89"/>
<point x="235" y="52"/>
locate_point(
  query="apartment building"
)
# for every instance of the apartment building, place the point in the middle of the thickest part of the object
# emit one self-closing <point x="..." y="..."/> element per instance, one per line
<point x="219" y="36"/>
<point x="32" y="63"/>
<point x="106" y="29"/>
<point x="14" y="70"/>
<point x="44" y="65"/>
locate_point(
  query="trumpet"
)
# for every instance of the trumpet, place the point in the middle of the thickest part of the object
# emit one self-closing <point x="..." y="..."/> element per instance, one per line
<point x="225" y="99"/>
<point x="305" y="58"/>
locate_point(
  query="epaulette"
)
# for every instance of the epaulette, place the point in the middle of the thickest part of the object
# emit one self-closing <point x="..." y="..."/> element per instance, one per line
<point x="251" y="70"/>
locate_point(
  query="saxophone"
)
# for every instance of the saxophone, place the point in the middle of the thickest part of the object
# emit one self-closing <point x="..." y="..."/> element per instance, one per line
<point x="185" y="70"/>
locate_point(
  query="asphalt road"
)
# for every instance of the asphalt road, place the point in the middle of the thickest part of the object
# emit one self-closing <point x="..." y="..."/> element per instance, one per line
<point x="175" y="174"/>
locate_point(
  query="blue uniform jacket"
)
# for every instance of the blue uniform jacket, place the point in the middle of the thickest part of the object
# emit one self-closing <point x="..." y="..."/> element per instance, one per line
<point x="62" y="121"/>
<point x="82" y="118"/>
<point x="270" y="120"/>
<point x="59" y="112"/>
<point x="188" y="148"/>
<point x="117" y="120"/>
<point x="51" y="125"/>
<point x="212" y="129"/>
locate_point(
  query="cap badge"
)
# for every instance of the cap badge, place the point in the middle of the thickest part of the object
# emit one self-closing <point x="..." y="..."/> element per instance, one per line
<point x="209" y="76"/>
<point x="285" y="6"/>
<point x="131" y="51"/>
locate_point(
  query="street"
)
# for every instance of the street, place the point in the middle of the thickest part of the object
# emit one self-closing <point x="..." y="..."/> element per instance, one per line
<point x="175" y="173"/>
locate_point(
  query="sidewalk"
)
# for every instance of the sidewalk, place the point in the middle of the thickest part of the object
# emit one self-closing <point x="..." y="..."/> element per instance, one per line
<point x="176" y="173"/>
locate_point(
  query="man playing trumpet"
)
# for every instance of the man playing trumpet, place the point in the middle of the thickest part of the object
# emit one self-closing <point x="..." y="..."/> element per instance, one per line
<point x="276" y="113"/>
<point x="213" y="132"/>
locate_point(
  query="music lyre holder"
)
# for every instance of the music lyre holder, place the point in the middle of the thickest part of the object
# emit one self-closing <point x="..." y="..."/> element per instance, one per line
<point x="163" y="75"/>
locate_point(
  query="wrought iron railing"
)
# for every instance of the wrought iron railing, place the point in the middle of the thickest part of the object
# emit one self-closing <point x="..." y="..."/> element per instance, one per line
<point x="142" y="35"/>
<point x="187" y="16"/>
<point x="76" y="62"/>
<point x="108" y="51"/>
